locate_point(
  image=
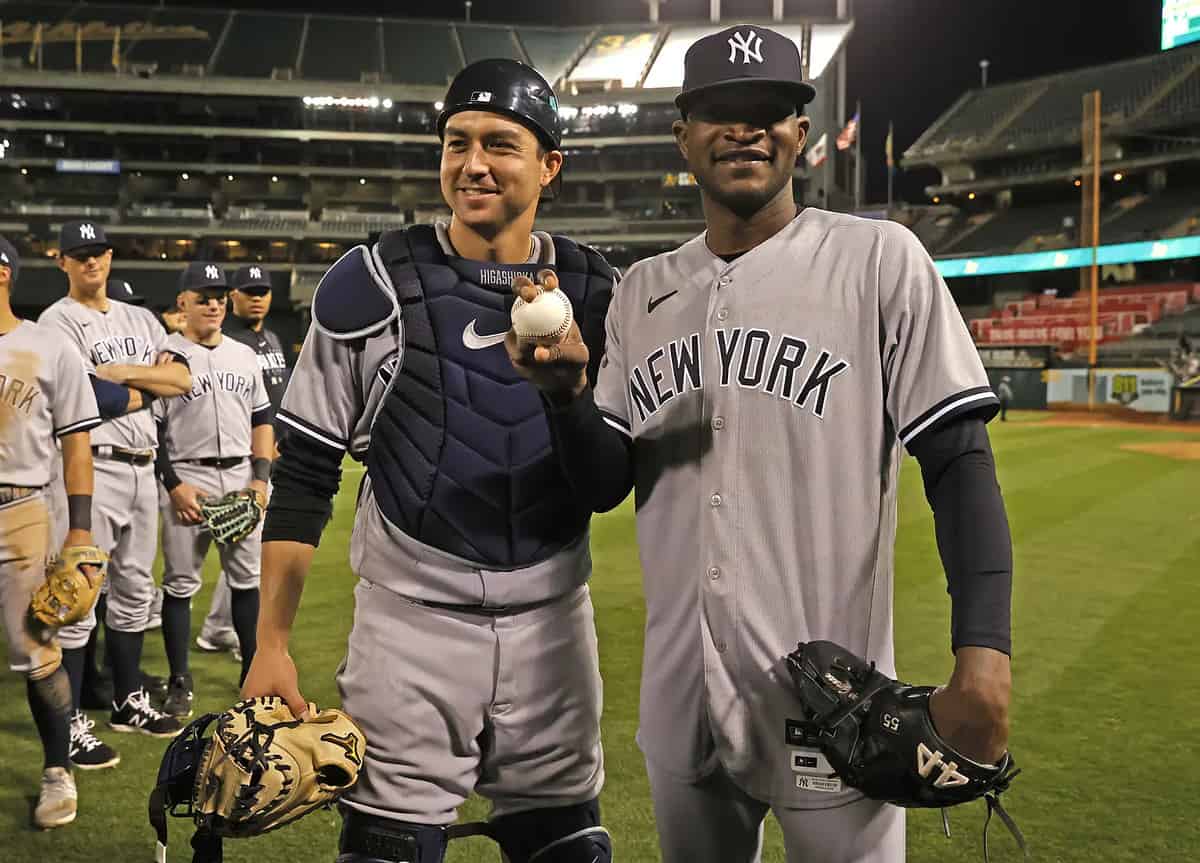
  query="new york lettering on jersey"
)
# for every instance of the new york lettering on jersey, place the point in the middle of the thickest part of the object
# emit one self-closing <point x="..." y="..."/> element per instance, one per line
<point x="44" y="393"/>
<point x="781" y="365"/>
<point x="122" y="334"/>
<point x="235" y="384"/>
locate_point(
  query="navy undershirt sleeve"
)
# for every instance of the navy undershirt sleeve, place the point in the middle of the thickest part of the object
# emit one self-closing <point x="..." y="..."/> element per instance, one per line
<point x="973" y="536"/>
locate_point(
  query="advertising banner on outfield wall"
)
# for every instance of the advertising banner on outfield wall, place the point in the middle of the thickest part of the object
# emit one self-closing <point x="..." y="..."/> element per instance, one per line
<point x="1143" y="390"/>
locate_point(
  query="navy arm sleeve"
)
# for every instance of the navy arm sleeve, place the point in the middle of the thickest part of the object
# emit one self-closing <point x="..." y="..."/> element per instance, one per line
<point x="306" y="476"/>
<point x="596" y="458"/>
<point x="112" y="399"/>
<point x="162" y="460"/>
<point x="973" y="538"/>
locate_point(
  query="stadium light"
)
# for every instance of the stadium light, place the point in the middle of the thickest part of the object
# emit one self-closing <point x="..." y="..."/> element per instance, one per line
<point x="229" y="177"/>
<point x="24" y="172"/>
<point x="387" y="103"/>
<point x="6" y="144"/>
<point x="627" y="110"/>
<point x="274" y="178"/>
<point x="970" y="196"/>
<point x="936" y="199"/>
<point x="439" y="105"/>
<point x="567" y="112"/>
<point x="184" y="176"/>
<point x="1078" y="182"/>
<point x="362" y="181"/>
<point x="1118" y="177"/>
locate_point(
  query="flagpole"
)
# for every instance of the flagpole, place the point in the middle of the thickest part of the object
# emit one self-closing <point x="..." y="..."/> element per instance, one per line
<point x="858" y="133"/>
<point x="887" y="146"/>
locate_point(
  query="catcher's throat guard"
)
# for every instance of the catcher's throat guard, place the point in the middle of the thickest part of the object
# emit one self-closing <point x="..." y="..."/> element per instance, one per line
<point x="879" y="737"/>
<point x="259" y="769"/>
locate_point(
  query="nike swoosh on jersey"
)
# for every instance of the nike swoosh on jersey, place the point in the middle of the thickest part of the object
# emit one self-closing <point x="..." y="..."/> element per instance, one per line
<point x="476" y="342"/>
<point x="652" y="304"/>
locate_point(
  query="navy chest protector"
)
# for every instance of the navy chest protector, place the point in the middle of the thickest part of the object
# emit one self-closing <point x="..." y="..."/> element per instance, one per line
<point x="461" y="456"/>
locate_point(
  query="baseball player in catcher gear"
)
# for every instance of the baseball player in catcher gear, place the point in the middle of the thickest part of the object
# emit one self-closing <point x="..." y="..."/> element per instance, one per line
<point x="250" y="298"/>
<point x="758" y="385"/>
<point x="472" y="663"/>
<point x="44" y="394"/>
<point x="214" y="439"/>
<point x="124" y="349"/>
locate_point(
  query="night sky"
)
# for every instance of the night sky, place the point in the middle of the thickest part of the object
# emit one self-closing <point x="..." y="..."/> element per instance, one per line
<point x="909" y="59"/>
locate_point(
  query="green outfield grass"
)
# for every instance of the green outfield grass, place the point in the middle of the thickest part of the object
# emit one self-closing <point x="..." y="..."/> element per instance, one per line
<point x="1107" y="655"/>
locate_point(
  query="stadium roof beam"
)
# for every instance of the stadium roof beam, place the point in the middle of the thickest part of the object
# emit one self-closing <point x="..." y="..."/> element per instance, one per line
<point x="294" y="134"/>
<point x="1125" y="166"/>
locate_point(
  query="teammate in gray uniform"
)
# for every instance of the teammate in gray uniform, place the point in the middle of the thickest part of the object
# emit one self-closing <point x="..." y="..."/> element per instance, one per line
<point x="758" y="384"/>
<point x="215" y="439"/>
<point x="44" y="394"/>
<point x="251" y="300"/>
<point x="123" y="347"/>
<point x="472" y="664"/>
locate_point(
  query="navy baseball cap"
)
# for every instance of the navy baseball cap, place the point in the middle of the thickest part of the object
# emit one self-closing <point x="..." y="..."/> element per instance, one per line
<point x="202" y="274"/>
<point x="253" y="279"/>
<point x="119" y="289"/>
<point x="82" y="234"/>
<point x="743" y="55"/>
<point x="9" y="258"/>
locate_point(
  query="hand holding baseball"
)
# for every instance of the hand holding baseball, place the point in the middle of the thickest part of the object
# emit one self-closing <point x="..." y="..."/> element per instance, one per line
<point x="544" y="343"/>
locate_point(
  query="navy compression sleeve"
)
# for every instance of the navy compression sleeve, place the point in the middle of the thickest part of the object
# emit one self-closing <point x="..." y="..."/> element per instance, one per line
<point x="596" y="458"/>
<point x="973" y="537"/>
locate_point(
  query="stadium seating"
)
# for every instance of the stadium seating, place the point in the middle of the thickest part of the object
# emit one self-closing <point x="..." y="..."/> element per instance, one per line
<point x="1146" y="89"/>
<point x="1008" y="228"/>
<point x="341" y="49"/>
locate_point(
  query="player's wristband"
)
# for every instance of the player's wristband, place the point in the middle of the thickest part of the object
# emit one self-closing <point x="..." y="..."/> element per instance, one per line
<point x="79" y="512"/>
<point x="261" y="468"/>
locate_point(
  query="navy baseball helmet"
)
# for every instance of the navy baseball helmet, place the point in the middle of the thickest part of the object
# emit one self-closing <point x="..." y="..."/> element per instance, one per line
<point x="9" y="258"/>
<point x="511" y="89"/>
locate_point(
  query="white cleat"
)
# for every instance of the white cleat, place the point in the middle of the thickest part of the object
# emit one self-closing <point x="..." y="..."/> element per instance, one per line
<point x="57" y="801"/>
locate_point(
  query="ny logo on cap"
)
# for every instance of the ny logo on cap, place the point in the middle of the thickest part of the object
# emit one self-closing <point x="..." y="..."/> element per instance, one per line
<point x="211" y="272"/>
<point x="750" y="44"/>
<point x="481" y="96"/>
<point x="4" y="257"/>
<point x="255" y="273"/>
<point x="87" y="232"/>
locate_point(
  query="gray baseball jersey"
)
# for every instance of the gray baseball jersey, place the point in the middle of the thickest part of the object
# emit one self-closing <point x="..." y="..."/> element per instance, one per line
<point x="125" y="500"/>
<point x="44" y="394"/>
<point x="213" y="419"/>
<point x="124" y="334"/>
<point x="767" y="399"/>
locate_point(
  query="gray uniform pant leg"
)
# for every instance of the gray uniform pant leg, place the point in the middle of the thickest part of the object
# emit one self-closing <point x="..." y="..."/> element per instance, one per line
<point x="24" y="531"/>
<point x="218" y="622"/>
<point x="125" y="523"/>
<point x="712" y="820"/>
<point x="186" y="545"/>
<point x="451" y="703"/>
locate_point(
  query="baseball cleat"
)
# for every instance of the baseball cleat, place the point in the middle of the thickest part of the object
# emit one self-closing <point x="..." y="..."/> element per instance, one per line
<point x="137" y="714"/>
<point x="89" y="752"/>
<point x="57" y="800"/>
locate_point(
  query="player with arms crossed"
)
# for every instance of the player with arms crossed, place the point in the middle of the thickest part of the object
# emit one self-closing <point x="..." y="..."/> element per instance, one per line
<point x="472" y="663"/>
<point x="214" y="439"/>
<point x="44" y="394"/>
<point x="758" y="385"/>
<point x="124" y="348"/>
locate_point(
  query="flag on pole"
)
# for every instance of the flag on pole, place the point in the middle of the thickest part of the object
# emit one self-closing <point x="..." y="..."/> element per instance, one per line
<point x="887" y="148"/>
<point x="819" y="151"/>
<point x="35" y="44"/>
<point x="78" y="48"/>
<point x="848" y="135"/>
<point x="116" y="49"/>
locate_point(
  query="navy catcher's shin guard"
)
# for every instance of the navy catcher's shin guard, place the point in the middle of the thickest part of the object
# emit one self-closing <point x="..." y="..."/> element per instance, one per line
<point x="371" y="839"/>
<point x="563" y="834"/>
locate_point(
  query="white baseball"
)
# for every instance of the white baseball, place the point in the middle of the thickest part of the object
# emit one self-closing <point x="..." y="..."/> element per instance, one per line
<point x="545" y="320"/>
